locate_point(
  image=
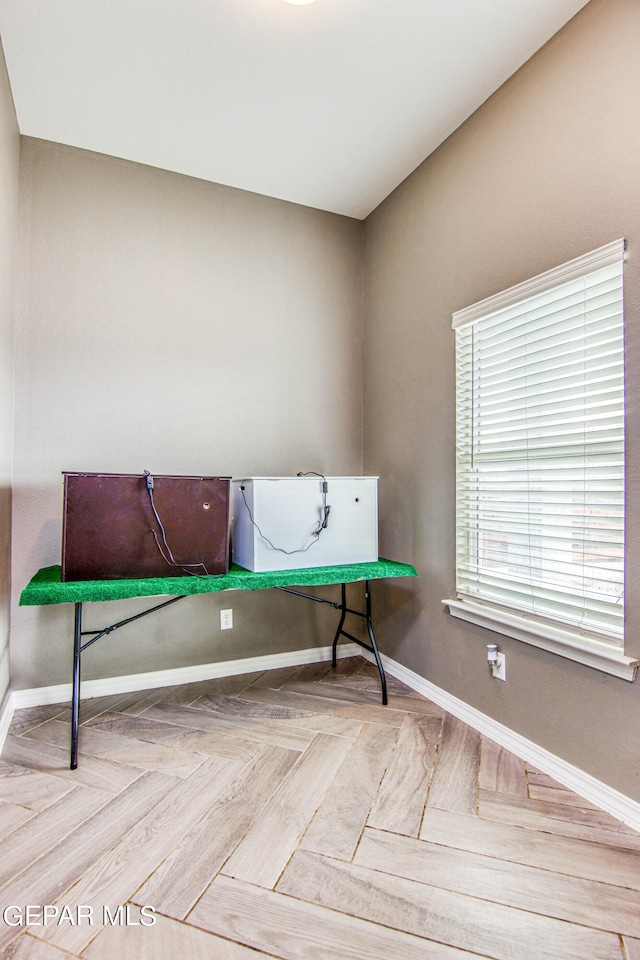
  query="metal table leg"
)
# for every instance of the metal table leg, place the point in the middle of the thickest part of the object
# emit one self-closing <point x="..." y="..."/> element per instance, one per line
<point x="75" y="699"/>
<point x="372" y="645"/>
<point x="341" y="632"/>
<point x="78" y="647"/>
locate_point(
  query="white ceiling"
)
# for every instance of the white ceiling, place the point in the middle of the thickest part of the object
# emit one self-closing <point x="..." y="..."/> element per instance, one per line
<point x="330" y="105"/>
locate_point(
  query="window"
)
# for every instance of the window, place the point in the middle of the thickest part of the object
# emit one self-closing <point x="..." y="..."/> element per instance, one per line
<point x="540" y="461"/>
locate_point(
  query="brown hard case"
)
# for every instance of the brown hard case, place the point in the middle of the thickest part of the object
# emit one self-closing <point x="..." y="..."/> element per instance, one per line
<point x="108" y="526"/>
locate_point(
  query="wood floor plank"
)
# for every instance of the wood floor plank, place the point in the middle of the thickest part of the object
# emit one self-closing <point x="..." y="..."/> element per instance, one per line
<point x="174" y="890"/>
<point x="102" y="774"/>
<point x="294" y="930"/>
<point x="218" y="745"/>
<point x="314" y="671"/>
<point x="273" y="679"/>
<point x="340" y="819"/>
<point x="367" y="684"/>
<point x="28" y="947"/>
<point x="112" y="877"/>
<point x="632" y="948"/>
<point x="454" y="785"/>
<point x="277" y="733"/>
<point x="357" y="693"/>
<point x="417" y="705"/>
<point x="175" y="736"/>
<point x="46" y="879"/>
<point x="262" y="855"/>
<point x="132" y="725"/>
<point x="233" y="707"/>
<point x="190" y="693"/>
<point x="135" y="702"/>
<point x="334" y="690"/>
<point x="403" y="792"/>
<point x="96" y="705"/>
<point x="335" y="726"/>
<point x="531" y="769"/>
<point x="12" y="815"/>
<point x="165" y="940"/>
<point x="371" y="685"/>
<point x="138" y="702"/>
<point x="346" y="667"/>
<point x="586" y="902"/>
<point x="543" y="787"/>
<point x="35" y="837"/>
<point x="578" y="858"/>
<point x="127" y="751"/>
<point x="37" y="790"/>
<point x="370" y="712"/>
<point x="455" y="919"/>
<point x="398" y="691"/>
<point x="622" y="826"/>
<point x="28" y="717"/>
<point x="368" y="668"/>
<point x="570" y="821"/>
<point x="501" y="771"/>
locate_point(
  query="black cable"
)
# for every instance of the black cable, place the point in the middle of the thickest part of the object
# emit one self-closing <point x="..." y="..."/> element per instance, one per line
<point x="322" y="523"/>
<point x="172" y="562"/>
<point x="325" y="486"/>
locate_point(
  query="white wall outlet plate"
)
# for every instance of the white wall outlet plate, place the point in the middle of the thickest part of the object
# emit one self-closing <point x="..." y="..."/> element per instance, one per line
<point x="499" y="668"/>
<point x="226" y="619"/>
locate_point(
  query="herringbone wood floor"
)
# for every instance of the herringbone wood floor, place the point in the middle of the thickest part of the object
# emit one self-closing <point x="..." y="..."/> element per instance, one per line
<point x="290" y="815"/>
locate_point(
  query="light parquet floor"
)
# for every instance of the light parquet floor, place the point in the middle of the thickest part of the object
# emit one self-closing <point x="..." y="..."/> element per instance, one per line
<point x="290" y="815"/>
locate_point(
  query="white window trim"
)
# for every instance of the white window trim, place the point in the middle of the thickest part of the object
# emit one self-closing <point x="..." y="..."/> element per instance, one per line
<point x="564" y="642"/>
<point x="586" y="650"/>
<point x="605" y="256"/>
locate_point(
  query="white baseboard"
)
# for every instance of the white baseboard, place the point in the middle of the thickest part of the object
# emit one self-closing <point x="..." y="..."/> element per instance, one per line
<point x="60" y="693"/>
<point x="586" y="786"/>
<point x="5" y="719"/>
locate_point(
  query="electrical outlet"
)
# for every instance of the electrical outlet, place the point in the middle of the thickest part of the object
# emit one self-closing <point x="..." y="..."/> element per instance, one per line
<point x="226" y="619"/>
<point x="499" y="668"/>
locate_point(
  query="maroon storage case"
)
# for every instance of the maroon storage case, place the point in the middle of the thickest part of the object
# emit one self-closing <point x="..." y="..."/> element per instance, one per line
<point x="109" y="526"/>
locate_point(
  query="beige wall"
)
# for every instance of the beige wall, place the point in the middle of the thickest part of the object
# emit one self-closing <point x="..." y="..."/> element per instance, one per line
<point x="170" y="324"/>
<point x="547" y="169"/>
<point x="9" y="171"/>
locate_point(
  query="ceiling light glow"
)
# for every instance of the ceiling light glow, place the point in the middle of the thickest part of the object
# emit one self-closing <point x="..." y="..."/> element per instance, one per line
<point x="299" y="3"/>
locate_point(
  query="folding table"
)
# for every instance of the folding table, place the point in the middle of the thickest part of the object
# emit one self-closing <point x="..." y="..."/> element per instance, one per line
<point x="46" y="587"/>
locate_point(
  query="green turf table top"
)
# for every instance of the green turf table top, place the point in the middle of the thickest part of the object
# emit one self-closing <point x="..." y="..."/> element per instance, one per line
<point x="46" y="586"/>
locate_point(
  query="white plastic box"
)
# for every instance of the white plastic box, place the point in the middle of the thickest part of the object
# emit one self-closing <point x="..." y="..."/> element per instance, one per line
<point x="277" y="522"/>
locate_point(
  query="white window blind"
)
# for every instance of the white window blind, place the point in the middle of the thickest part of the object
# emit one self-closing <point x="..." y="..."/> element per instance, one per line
<point x="540" y="448"/>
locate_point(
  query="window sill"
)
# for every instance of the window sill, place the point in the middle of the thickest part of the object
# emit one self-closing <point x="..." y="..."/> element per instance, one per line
<point x="586" y="650"/>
